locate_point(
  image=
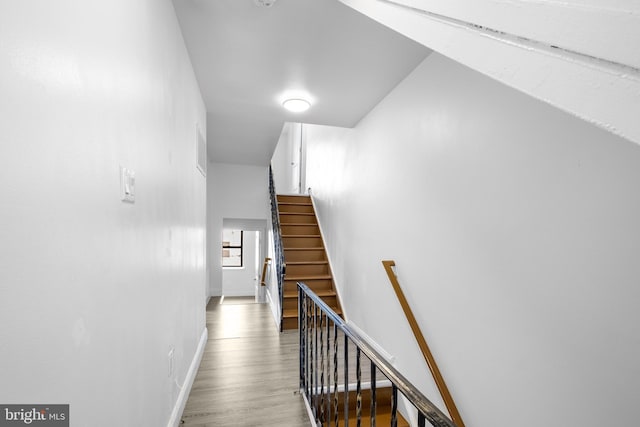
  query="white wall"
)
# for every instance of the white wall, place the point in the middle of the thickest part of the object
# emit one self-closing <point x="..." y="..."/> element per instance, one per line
<point x="514" y="227"/>
<point x="286" y="161"/>
<point x="241" y="281"/>
<point x="94" y="292"/>
<point x="235" y="192"/>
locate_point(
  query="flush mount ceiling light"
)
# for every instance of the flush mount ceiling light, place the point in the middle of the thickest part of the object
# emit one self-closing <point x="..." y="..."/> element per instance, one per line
<point x="296" y="105"/>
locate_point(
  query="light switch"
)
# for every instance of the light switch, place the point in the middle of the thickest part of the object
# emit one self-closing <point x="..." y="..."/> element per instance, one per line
<point x="127" y="185"/>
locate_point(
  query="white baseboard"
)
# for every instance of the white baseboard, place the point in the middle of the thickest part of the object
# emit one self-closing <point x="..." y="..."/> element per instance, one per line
<point x="273" y="306"/>
<point x="181" y="402"/>
<point x="312" y="420"/>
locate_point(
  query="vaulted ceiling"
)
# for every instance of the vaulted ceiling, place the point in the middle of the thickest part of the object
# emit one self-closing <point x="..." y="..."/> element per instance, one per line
<point x="248" y="58"/>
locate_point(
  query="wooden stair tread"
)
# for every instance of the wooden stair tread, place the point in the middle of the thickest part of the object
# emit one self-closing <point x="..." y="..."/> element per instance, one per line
<point x="300" y="235"/>
<point x="293" y="312"/>
<point x="307" y="262"/>
<point x="295" y="204"/>
<point x="298" y="213"/>
<point x="290" y="313"/>
<point x="315" y="277"/>
<point x="324" y="293"/>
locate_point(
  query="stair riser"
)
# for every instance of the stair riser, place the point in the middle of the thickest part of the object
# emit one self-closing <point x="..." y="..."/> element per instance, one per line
<point x="301" y="242"/>
<point x="290" y="323"/>
<point x="315" y="285"/>
<point x="288" y="303"/>
<point x="292" y="230"/>
<point x="295" y="208"/>
<point x="294" y="199"/>
<point x="297" y="219"/>
<point x="307" y="269"/>
<point x="314" y="255"/>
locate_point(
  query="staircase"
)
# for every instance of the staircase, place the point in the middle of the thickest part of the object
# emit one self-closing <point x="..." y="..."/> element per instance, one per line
<point x="304" y="256"/>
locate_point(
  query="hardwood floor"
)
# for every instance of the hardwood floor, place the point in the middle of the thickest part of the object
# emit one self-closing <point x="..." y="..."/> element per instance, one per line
<point x="249" y="371"/>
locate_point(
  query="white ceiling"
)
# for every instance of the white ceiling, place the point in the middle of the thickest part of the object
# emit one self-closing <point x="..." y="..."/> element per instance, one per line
<point x="246" y="58"/>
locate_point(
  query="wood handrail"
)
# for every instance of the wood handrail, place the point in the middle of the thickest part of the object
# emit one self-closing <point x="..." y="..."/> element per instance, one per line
<point x="263" y="281"/>
<point x="422" y="343"/>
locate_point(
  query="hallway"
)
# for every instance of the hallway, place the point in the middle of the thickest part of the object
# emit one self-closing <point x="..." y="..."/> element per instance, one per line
<point x="249" y="371"/>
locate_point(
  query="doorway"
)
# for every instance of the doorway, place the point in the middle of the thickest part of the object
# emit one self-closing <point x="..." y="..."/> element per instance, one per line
<point x="243" y="251"/>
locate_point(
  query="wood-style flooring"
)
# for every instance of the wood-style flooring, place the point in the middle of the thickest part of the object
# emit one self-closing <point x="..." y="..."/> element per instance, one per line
<point x="249" y="371"/>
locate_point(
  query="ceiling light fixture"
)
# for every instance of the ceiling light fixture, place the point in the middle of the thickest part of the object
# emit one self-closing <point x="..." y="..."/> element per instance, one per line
<point x="264" y="3"/>
<point x="296" y="105"/>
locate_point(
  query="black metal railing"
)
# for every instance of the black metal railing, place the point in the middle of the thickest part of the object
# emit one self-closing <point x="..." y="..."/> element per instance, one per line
<point x="277" y="239"/>
<point x="326" y="381"/>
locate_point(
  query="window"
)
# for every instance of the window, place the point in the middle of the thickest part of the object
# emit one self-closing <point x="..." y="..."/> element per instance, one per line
<point x="232" y="248"/>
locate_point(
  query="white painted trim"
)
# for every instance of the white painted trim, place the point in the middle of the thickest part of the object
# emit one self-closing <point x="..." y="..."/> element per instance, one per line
<point x="571" y="82"/>
<point x="595" y="28"/>
<point x="273" y="311"/>
<point x="324" y="240"/>
<point x="308" y="407"/>
<point x="181" y="402"/>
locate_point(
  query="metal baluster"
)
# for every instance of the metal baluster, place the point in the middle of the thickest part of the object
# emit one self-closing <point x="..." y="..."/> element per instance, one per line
<point x="394" y="405"/>
<point x="421" y="419"/>
<point x="346" y="380"/>
<point x="309" y="350"/>
<point x="373" y="395"/>
<point x="314" y="355"/>
<point x="301" y="330"/>
<point x="358" y="389"/>
<point x="322" y="368"/>
<point x="328" y="376"/>
<point x="335" y="374"/>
